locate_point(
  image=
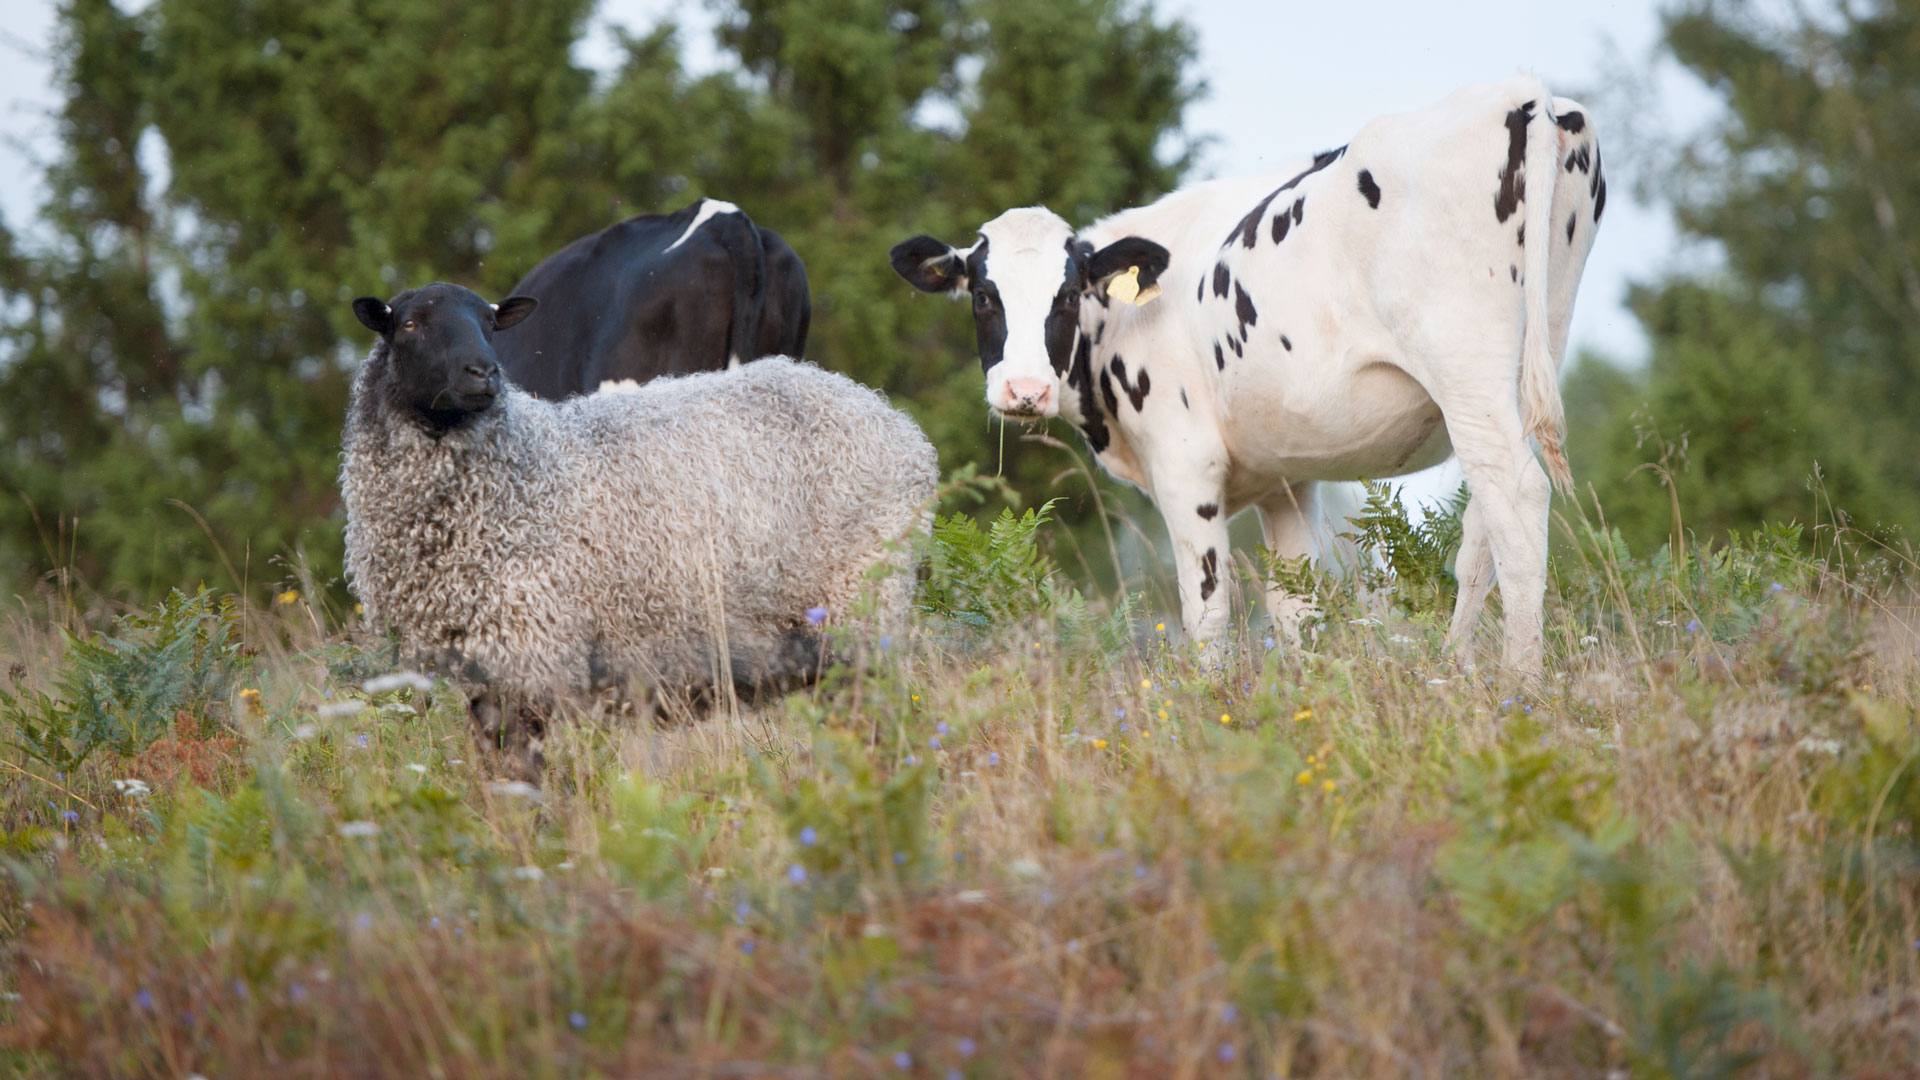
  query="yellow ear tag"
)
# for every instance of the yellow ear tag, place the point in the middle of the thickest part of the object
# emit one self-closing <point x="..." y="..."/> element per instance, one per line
<point x="1124" y="287"/>
<point x="1147" y="294"/>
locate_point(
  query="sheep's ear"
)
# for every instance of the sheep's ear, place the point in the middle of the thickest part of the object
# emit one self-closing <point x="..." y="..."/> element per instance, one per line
<point x="374" y="314"/>
<point x="512" y="310"/>
<point x="929" y="265"/>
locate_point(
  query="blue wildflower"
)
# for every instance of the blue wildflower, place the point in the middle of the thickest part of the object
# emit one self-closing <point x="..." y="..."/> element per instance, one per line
<point x="993" y="757"/>
<point x="433" y="923"/>
<point x="1139" y="872"/>
<point x="1120" y="713"/>
<point x="748" y="946"/>
<point x="240" y="989"/>
<point x="816" y="615"/>
<point x="886" y="641"/>
<point x="966" y="1046"/>
<point x="1228" y="1012"/>
<point x="297" y="993"/>
<point x="363" y="921"/>
<point x="934" y="742"/>
<point x="941" y="727"/>
<point x="1123" y="727"/>
<point x="1226" y="1052"/>
<point x="1269" y="643"/>
<point x="913" y="759"/>
<point x="797" y="874"/>
<point x="1776" y="587"/>
<point x="1073" y="946"/>
<point x="809" y="836"/>
<point x="71" y="817"/>
<point x="899" y="858"/>
<point x="578" y="1020"/>
<point x="741" y="910"/>
<point x="903" y="1060"/>
<point x="1693" y="626"/>
<point x="1046" y="897"/>
<point x="361" y="742"/>
<point x="144" y="999"/>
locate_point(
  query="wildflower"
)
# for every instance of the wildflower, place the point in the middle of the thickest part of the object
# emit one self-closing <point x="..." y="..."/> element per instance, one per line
<point x="287" y="597"/>
<point x="913" y="759"/>
<point x="1589" y="641"/>
<point x="1305" y="777"/>
<point x="399" y="680"/>
<point x="1139" y="872"/>
<point x="1120" y="713"/>
<point x="941" y="727"/>
<point x="966" y="1046"/>
<point x="1226" y="1052"/>
<point x="433" y="923"/>
<point x="251" y="696"/>
<point x="816" y="615"/>
<point x="1311" y="758"/>
<point x="1693" y="626"/>
<point x="1046" y="897"/>
<point x="1160" y="627"/>
<point x="362" y="921"/>
<point x="359" y="830"/>
<point x="297" y="993"/>
<point x="1146" y="684"/>
<point x="331" y="710"/>
<point x="518" y="789"/>
<point x="1327" y="785"/>
<point x="359" y="609"/>
<point x="886" y="641"/>
<point x="1073" y="946"/>
<point x="1302" y="715"/>
<point x="71" y="817"/>
<point x="747" y="946"/>
<point x="899" y="858"/>
<point x="741" y="910"/>
<point x="577" y="1020"/>
<point x="1225" y="719"/>
<point x="361" y="742"/>
<point x="1776" y="587"/>
<point x="934" y="742"/>
<point x="414" y="766"/>
<point x="1099" y="744"/>
<point x="1269" y="643"/>
<point x="131" y="788"/>
<point x="797" y="874"/>
<point x="809" y="836"/>
<point x="916" y="697"/>
<point x="144" y="999"/>
<point x="528" y="873"/>
<point x="1123" y="727"/>
<point x="903" y="1060"/>
<point x="993" y="757"/>
<point x="1228" y="1012"/>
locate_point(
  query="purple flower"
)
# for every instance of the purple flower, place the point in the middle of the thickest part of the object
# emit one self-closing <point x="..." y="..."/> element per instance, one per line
<point x="1693" y="626"/>
<point x="809" y="836"/>
<point x="934" y="742"/>
<point x="297" y="993"/>
<point x="797" y="874"/>
<point x="240" y="989"/>
<point x="1073" y="946"/>
<point x="1120" y="713"/>
<point x="741" y="910"/>
<point x="362" y="921"/>
<point x="1226" y="1052"/>
<point x="1269" y="643"/>
<point x="747" y="946"/>
<point x="966" y="1046"/>
<point x="578" y="1020"/>
<point x="71" y="817"/>
<point x="361" y="742"/>
<point x="993" y="758"/>
<point x="1228" y="1012"/>
<point x="886" y="641"/>
<point x="1776" y="587"/>
<point x="1139" y="872"/>
<point x="913" y="759"/>
<point x="816" y="615"/>
<point x="899" y="858"/>
<point x="144" y="999"/>
<point x="941" y="727"/>
<point x="433" y="923"/>
<point x="1123" y="727"/>
<point x="903" y="1060"/>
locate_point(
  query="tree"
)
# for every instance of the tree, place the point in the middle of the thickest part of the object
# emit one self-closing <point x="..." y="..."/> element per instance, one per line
<point x="1803" y="350"/>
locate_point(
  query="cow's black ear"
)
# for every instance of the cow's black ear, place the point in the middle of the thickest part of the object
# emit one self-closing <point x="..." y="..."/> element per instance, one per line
<point x="511" y="310"/>
<point x="374" y="314"/>
<point x="1125" y="254"/>
<point x="929" y="265"/>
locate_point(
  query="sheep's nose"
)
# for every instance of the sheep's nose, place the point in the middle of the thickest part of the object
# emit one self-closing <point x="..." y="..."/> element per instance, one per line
<point x="480" y="370"/>
<point x="1027" y="396"/>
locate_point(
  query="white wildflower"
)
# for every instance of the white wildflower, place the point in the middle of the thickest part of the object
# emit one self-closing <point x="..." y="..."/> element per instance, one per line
<point x="1026" y="867"/>
<point x="335" y="709"/>
<point x="306" y="731"/>
<point x="1400" y="639"/>
<point x="518" y="789"/>
<point x="1436" y="682"/>
<point x="1589" y="641"/>
<point x="417" y="767"/>
<point x="1813" y="745"/>
<point x="399" y="709"/>
<point x="528" y="873"/>
<point x="971" y="896"/>
<point x="131" y="788"/>
<point x="380" y="684"/>
<point x="359" y="830"/>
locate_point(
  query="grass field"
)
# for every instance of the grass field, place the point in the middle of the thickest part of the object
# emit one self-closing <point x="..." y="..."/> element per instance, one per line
<point x="1032" y="838"/>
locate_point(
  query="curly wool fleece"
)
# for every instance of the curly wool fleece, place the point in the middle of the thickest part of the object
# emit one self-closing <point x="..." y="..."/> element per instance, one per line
<point x="650" y="533"/>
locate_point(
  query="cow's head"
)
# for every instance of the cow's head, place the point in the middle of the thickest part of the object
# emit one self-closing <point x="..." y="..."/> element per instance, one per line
<point x="440" y="349"/>
<point x="1027" y="275"/>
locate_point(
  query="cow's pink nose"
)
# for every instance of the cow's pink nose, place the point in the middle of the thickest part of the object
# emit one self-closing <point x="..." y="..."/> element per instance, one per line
<point x="1030" y="397"/>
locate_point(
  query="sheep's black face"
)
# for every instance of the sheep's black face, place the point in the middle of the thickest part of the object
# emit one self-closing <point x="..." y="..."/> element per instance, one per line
<point x="440" y="349"/>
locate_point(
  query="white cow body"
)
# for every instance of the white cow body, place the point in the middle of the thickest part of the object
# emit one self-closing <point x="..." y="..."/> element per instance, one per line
<point x="1385" y="315"/>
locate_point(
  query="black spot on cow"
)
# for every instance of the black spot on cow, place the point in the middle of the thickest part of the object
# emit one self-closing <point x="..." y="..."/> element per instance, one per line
<point x="1106" y="391"/>
<point x="1572" y="220"/>
<point x="1207" y="511"/>
<point x="1581" y="159"/>
<point x="1221" y="277"/>
<point x="1099" y="331"/>
<point x="1137" y="391"/>
<point x="1369" y="189"/>
<point x="1597" y="188"/>
<point x="1243" y="309"/>
<point x="1513" y="181"/>
<point x="1093" y="424"/>
<point x="1299" y="209"/>
<point x="1219" y="357"/>
<point x="1281" y="223"/>
<point x="1285" y="344"/>
<point x="1209" y="573"/>
<point x="1248" y="230"/>
<point x="1573" y="123"/>
<point x="1513" y="272"/>
<point x="1183" y="398"/>
<point x="1520" y="235"/>
<point x="1200" y="294"/>
<point x="1234" y="344"/>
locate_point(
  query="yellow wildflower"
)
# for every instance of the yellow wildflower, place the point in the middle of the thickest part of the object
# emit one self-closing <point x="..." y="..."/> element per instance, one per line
<point x="1225" y="718"/>
<point x="1146" y="684"/>
<point x="1305" y="777"/>
<point x="1303" y="716"/>
<point x="1099" y="744"/>
<point x="1161" y="627"/>
<point x="287" y="597"/>
<point x="1327" y="785"/>
<point x="1163" y="714"/>
<point x="1311" y="759"/>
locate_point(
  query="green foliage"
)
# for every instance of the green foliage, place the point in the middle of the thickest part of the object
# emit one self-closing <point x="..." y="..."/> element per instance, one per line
<point x="172" y="667"/>
<point x="999" y="576"/>
<point x="654" y="841"/>
<point x="1411" y="562"/>
<point x="861" y="821"/>
<point x="176" y="356"/>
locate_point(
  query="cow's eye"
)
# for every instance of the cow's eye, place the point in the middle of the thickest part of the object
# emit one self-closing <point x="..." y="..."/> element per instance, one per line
<point x="981" y="301"/>
<point x="1066" y="301"/>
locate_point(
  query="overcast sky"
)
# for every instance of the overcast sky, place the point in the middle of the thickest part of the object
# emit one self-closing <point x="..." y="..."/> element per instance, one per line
<point x="1284" y="79"/>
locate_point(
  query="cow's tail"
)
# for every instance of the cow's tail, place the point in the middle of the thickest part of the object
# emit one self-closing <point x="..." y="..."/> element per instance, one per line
<point x="741" y="239"/>
<point x="1540" y="409"/>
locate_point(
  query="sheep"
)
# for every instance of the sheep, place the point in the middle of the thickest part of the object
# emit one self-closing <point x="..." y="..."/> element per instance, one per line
<point x="679" y="533"/>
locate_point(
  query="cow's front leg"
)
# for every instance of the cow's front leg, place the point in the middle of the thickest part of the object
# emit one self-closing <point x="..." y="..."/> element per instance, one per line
<point x="1194" y="506"/>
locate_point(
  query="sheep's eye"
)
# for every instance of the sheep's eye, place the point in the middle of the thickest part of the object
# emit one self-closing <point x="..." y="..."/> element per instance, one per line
<point x="409" y="325"/>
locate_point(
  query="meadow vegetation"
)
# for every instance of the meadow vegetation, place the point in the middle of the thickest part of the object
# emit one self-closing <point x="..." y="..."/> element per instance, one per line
<point x="1033" y="837"/>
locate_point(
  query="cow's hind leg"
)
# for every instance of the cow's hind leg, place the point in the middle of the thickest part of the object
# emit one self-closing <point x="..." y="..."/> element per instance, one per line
<point x="1473" y="569"/>
<point x="1286" y="518"/>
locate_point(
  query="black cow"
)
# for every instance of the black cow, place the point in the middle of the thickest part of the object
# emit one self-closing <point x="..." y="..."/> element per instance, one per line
<point x="699" y="289"/>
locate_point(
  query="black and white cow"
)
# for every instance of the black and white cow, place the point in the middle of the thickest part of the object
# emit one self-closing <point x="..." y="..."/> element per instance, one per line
<point x="700" y="289"/>
<point x="1364" y="313"/>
